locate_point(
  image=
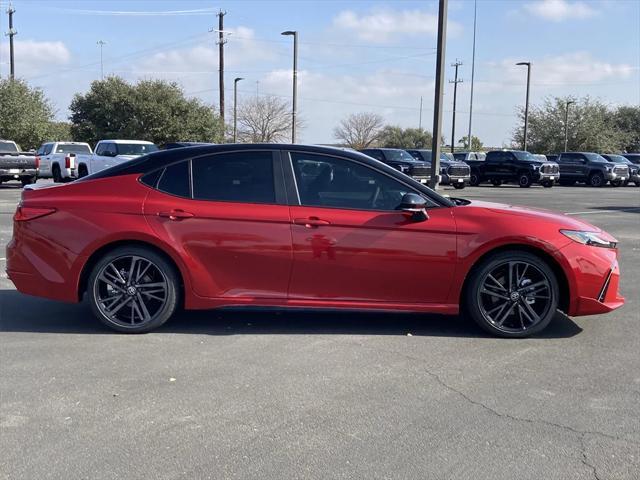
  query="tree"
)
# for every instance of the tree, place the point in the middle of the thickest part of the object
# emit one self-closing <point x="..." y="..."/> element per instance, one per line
<point x="476" y="144"/>
<point x="396" y="137"/>
<point x="265" y="120"/>
<point x="359" y="130"/>
<point x="627" y="120"/>
<point x="154" y="110"/>
<point x="26" y="115"/>
<point x="591" y="127"/>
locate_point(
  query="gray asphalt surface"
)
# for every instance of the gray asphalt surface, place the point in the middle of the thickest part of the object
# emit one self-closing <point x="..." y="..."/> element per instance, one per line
<point x="269" y="395"/>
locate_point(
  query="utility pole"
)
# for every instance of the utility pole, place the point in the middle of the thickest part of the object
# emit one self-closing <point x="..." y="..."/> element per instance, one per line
<point x="437" y="102"/>
<point x="221" y="42"/>
<point x="420" y="121"/>
<point x="257" y="89"/>
<point x="566" y="124"/>
<point x="294" y="34"/>
<point x="526" y="107"/>
<point x="473" y="71"/>
<point x="455" y="95"/>
<point x="101" y="44"/>
<point x="11" y="33"/>
<point x="235" y="108"/>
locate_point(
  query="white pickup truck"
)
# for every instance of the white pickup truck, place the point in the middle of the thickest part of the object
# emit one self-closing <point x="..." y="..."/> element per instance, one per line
<point x="70" y="160"/>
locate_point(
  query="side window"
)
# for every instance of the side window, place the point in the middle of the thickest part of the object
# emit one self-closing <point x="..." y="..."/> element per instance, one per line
<point x="245" y="177"/>
<point x="377" y="154"/>
<point x="325" y="181"/>
<point x="47" y="148"/>
<point x="99" y="149"/>
<point x="175" y="180"/>
<point x="41" y="150"/>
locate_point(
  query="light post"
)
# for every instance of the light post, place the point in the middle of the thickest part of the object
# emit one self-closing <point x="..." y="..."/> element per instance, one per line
<point x="566" y="124"/>
<point x="235" y="108"/>
<point x="526" y="107"/>
<point x="295" y="82"/>
<point x="101" y="44"/>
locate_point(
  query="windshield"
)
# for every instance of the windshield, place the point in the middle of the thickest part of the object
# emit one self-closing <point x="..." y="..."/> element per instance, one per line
<point x="525" y="156"/>
<point x="72" y="148"/>
<point x="594" y="157"/>
<point x="8" y="147"/>
<point x="427" y="155"/>
<point x="136" y="148"/>
<point x="399" y="155"/>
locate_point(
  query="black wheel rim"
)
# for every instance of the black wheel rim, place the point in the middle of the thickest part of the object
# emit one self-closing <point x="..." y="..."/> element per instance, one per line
<point x="596" y="180"/>
<point x="130" y="291"/>
<point x="515" y="296"/>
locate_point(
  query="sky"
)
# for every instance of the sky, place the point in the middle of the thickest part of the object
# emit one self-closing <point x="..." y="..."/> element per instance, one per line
<point x="354" y="55"/>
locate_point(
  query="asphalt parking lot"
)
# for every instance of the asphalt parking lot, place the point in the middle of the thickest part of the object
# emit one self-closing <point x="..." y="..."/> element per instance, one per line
<point x="326" y="395"/>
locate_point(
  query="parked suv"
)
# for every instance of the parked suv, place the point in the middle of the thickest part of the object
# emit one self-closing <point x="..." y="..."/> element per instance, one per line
<point x="590" y="168"/>
<point x="518" y="166"/>
<point x="634" y="170"/>
<point x="401" y="160"/>
<point x="454" y="173"/>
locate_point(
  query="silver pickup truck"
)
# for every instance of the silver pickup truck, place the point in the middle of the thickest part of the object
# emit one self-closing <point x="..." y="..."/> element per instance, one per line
<point x="17" y="165"/>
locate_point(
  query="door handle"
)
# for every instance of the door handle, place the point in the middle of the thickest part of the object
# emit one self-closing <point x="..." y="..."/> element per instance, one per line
<point x="311" y="222"/>
<point x="176" y="215"/>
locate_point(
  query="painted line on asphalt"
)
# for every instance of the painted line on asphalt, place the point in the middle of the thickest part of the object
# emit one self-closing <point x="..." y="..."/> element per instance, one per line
<point x="595" y="212"/>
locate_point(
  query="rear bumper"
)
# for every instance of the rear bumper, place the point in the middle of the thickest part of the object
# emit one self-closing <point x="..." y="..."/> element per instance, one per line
<point x="17" y="173"/>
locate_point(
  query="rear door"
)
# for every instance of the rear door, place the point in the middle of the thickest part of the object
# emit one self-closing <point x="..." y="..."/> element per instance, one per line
<point x="227" y="216"/>
<point x="352" y="247"/>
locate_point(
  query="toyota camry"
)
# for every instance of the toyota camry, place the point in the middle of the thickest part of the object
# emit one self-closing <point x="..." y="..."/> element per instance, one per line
<point x="300" y="226"/>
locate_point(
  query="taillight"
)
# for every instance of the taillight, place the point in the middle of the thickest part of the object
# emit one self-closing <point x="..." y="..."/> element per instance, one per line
<point x="70" y="161"/>
<point x="24" y="214"/>
<point x="37" y="161"/>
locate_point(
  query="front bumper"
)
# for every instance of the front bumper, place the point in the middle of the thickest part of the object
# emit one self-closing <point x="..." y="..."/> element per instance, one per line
<point x="453" y="179"/>
<point x="613" y="177"/>
<point x="547" y="177"/>
<point x="595" y="279"/>
<point x="422" y="179"/>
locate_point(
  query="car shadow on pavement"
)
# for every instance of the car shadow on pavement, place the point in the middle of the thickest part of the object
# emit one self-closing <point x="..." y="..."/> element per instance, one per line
<point x="22" y="313"/>
<point x="626" y="209"/>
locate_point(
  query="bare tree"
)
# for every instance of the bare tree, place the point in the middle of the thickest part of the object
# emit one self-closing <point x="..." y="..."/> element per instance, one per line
<point x="265" y="120"/>
<point x="359" y="130"/>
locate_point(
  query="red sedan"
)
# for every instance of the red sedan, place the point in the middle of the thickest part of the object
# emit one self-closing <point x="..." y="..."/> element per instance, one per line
<point x="300" y="226"/>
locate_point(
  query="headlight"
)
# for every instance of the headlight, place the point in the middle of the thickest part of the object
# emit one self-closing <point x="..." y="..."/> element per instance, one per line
<point x="536" y="167"/>
<point x="593" y="239"/>
<point x="609" y="169"/>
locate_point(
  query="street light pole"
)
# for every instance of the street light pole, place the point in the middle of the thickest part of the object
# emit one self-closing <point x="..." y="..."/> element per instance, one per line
<point x="566" y="124"/>
<point x="295" y="83"/>
<point x="437" y="101"/>
<point x="526" y="107"/>
<point x="235" y="108"/>
<point x="101" y="44"/>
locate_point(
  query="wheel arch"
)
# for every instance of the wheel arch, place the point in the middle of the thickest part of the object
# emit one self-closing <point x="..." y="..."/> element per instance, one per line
<point x="106" y="248"/>
<point x="564" y="302"/>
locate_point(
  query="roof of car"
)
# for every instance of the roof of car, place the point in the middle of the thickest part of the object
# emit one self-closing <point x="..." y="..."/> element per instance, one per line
<point x="142" y="142"/>
<point x="382" y="148"/>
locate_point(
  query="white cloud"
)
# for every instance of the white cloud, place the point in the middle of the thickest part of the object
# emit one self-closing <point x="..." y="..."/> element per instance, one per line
<point x="380" y="26"/>
<point x="559" y="10"/>
<point x="31" y="56"/>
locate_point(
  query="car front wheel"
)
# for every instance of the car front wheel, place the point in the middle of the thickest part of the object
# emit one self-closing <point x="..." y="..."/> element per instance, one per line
<point x="596" y="180"/>
<point x="512" y="294"/>
<point x="524" y="180"/>
<point x="458" y="186"/>
<point x="133" y="289"/>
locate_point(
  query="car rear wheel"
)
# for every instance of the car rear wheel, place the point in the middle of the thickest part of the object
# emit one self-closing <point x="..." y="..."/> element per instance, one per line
<point x="57" y="176"/>
<point x="82" y="171"/>
<point x="512" y="294"/>
<point x="133" y="290"/>
<point x="524" y="180"/>
<point x="28" y="181"/>
<point x="596" y="180"/>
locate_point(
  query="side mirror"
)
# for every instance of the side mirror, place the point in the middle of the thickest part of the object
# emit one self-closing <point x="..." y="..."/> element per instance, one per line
<point x="414" y="205"/>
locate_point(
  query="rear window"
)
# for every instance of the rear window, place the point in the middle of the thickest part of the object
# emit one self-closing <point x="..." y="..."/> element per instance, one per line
<point x="72" y="148"/>
<point x="8" y="147"/>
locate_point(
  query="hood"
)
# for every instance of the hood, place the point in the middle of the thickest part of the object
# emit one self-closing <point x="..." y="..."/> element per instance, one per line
<point x="563" y="221"/>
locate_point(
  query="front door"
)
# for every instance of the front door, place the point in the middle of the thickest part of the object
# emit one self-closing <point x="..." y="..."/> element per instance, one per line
<point x="351" y="245"/>
<point x="227" y="222"/>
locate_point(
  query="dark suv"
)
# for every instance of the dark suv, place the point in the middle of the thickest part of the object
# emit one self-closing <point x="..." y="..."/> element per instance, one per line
<point x="517" y="166"/>
<point x="401" y="160"/>
<point x="454" y="173"/>
<point x="590" y="168"/>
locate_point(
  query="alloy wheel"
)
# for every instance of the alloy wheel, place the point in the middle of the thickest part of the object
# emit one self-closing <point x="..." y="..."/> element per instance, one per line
<point x="130" y="291"/>
<point x="515" y="296"/>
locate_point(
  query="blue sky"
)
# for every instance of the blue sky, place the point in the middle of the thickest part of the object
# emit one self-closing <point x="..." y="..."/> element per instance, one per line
<point x="354" y="56"/>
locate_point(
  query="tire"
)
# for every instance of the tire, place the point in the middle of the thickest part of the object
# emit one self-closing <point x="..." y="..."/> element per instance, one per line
<point x="514" y="311"/>
<point x="474" y="181"/>
<point x="82" y="171"/>
<point x="616" y="183"/>
<point x="597" y="180"/>
<point x="547" y="184"/>
<point x="27" y="181"/>
<point x="524" y="180"/>
<point x="496" y="183"/>
<point x="57" y="176"/>
<point x="459" y="186"/>
<point x="111" y="293"/>
<point x="637" y="184"/>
